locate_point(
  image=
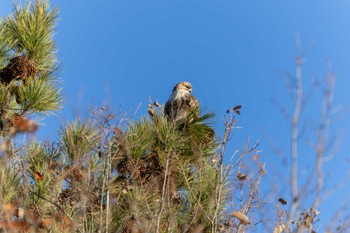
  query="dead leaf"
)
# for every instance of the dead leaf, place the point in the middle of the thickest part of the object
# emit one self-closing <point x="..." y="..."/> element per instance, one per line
<point x="47" y="221"/>
<point x="282" y="201"/>
<point x="26" y="126"/>
<point x="38" y="176"/>
<point x="279" y="228"/>
<point x="156" y="103"/>
<point x="117" y="131"/>
<point x="10" y="208"/>
<point x="67" y="220"/>
<point x="237" y="107"/>
<point x="18" y="226"/>
<point x="241" y="176"/>
<point x="241" y="217"/>
<point x="4" y="146"/>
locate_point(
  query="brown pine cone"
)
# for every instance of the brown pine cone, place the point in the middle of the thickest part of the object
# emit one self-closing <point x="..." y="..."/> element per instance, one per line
<point x="19" y="67"/>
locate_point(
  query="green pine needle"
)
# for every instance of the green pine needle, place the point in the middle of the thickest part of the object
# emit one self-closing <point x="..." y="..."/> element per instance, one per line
<point x="39" y="96"/>
<point x="78" y="139"/>
<point x="10" y="181"/>
<point x="4" y="95"/>
<point x="4" y="47"/>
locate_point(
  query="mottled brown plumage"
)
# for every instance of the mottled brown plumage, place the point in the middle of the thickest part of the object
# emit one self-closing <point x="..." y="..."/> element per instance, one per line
<point x="180" y="103"/>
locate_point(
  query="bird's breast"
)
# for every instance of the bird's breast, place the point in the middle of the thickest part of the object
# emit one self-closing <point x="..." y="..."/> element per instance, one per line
<point x="179" y="94"/>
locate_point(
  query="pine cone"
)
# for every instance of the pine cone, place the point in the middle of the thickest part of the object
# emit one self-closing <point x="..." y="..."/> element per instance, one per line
<point x="122" y="168"/>
<point x="19" y="67"/>
<point x="164" y="227"/>
<point x="17" y="120"/>
<point x="133" y="169"/>
<point x="68" y="196"/>
<point x="34" y="213"/>
<point x="23" y="125"/>
<point x="138" y="170"/>
<point x="128" y="227"/>
<point x="131" y="227"/>
<point x="75" y="174"/>
<point x="153" y="164"/>
<point x="196" y="228"/>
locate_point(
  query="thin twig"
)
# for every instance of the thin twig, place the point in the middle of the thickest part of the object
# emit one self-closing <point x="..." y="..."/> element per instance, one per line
<point x="294" y="141"/>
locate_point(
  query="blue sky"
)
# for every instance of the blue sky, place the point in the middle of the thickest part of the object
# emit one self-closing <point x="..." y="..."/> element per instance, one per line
<point x="233" y="52"/>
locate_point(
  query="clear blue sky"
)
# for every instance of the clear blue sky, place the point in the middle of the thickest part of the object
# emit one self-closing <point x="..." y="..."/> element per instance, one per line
<point x="233" y="52"/>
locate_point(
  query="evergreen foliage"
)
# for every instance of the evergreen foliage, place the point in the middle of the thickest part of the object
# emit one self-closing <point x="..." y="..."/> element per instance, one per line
<point x="78" y="139"/>
<point x="156" y="160"/>
<point x="117" y="174"/>
<point x="29" y="32"/>
<point x="39" y="95"/>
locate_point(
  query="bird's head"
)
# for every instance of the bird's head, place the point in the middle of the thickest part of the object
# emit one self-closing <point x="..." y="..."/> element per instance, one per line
<point x="186" y="86"/>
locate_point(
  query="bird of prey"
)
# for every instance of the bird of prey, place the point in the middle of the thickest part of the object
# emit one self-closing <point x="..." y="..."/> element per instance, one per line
<point x="181" y="103"/>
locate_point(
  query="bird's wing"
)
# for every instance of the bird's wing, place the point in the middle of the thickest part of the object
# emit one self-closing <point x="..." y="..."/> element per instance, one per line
<point x="192" y="102"/>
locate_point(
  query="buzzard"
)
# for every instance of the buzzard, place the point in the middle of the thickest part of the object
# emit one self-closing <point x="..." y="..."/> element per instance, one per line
<point x="180" y="103"/>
